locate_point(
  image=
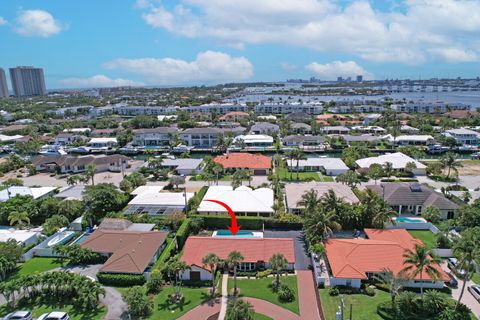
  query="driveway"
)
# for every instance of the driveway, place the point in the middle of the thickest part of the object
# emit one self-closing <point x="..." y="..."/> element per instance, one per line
<point x="117" y="308"/>
<point x="302" y="259"/>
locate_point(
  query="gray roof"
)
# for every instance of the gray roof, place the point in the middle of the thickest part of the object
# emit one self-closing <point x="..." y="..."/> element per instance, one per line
<point x="182" y="164"/>
<point x="265" y="126"/>
<point x="161" y="130"/>
<point x="73" y="192"/>
<point x="301" y="139"/>
<point x="125" y="225"/>
<point x="301" y="125"/>
<point x="412" y="194"/>
<point x="294" y="192"/>
<point x="361" y="138"/>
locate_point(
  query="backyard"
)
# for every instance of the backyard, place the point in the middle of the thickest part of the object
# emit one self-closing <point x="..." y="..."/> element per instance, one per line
<point x="284" y="175"/>
<point x="262" y="289"/>
<point x="363" y="307"/>
<point x="426" y="236"/>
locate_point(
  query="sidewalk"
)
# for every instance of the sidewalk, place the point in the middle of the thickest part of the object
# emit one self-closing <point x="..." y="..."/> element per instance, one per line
<point x="223" y="308"/>
<point x="307" y="295"/>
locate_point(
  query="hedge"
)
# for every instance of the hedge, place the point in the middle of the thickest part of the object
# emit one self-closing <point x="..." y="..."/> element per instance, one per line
<point x="183" y="232"/>
<point x="120" y="279"/>
<point x="166" y="254"/>
<point x="247" y="223"/>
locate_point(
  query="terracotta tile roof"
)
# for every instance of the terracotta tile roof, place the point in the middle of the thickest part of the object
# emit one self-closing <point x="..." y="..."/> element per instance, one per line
<point x="244" y="160"/>
<point x="353" y="258"/>
<point x="253" y="250"/>
<point x="131" y="251"/>
<point x="458" y="114"/>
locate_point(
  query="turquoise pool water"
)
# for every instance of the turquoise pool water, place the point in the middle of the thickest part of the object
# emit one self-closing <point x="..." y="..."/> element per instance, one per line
<point x="80" y="239"/>
<point x="240" y="233"/>
<point x="408" y="220"/>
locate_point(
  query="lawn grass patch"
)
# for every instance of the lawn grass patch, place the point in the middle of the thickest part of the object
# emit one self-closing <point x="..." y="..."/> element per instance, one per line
<point x="42" y="307"/>
<point x="363" y="307"/>
<point x="284" y="175"/>
<point x="261" y="289"/>
<point x="36" y="264"/>
<point x="259" y="316"/>
<point x="476" y="278"/>
<point x="426" y="236"/>
<point x="165" y="310"/>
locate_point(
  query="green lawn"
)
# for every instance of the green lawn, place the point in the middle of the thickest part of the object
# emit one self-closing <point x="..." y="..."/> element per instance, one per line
<point x="476" y="278"/>
<point x="165" y="310"/>
<point x="45" y="307"/>
<point x="363" y="307"/>
<point x="259" y="316"/>
<point x="261" y="289"/>
<point x="426" y="236"/>
<point x="36" y="264"/>
<point x="284" y="175"/>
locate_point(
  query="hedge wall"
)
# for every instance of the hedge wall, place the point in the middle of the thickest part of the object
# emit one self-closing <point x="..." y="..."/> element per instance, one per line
<point x="247" y="223"/>
<point x="183" y="232"/>
<point x="120" y="279"/>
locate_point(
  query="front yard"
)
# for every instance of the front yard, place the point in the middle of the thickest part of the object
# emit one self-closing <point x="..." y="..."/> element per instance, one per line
<point x="37" y="264"/>
<point x="262" y="289"/>
<point x="426" y="236"/>
<point x="363" y="307"/>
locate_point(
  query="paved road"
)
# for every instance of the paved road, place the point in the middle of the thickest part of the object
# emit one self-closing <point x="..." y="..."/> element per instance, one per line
<point x="302" y="260"/>
<point x="467" y="299"/>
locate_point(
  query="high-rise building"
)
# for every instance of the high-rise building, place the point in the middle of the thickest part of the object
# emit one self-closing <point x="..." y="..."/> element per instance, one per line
<point x="3" y="84"/>
<point x="359" y="78"/>
<point x="27" y="81"/>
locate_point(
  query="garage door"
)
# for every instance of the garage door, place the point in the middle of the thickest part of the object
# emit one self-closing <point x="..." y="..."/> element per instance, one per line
<point x="259" y="172"/>
<point x="194" y="275"/>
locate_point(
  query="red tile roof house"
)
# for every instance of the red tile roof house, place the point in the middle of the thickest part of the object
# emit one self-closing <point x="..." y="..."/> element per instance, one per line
<point x="256" y="251"/>
<point x="241" y="160"/>
<point x="127" y="251"/>
<point x="351" y="261"/>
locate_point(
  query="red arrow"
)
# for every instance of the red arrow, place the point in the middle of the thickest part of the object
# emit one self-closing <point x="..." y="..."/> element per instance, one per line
<point x="233" y="228"/>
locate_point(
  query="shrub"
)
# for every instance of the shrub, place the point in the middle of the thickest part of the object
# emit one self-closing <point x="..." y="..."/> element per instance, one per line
<point x="120" y="279"/>
<point x="333" y="291"/>
<point x="154" y="285"/>
<point x="248" y="223"/>
<point x="139" y="305"/>
<point x="369" y="291"/>
<point x="264" y="274"/>
<point x="285" y="294"/>
<point x="183" y="232"/>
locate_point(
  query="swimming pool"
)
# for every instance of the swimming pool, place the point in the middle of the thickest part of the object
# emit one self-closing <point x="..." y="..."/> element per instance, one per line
<point x="240" y="234"/>
<point x="82" y="238"/>
<point x="409" y="220"/>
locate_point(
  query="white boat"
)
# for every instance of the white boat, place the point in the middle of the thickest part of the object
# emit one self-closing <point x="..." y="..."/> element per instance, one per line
<point x="60" y="238"/>
<point x="82" y="150"/>
<point x="52" y="150"/>
<point x="181" y="149"/>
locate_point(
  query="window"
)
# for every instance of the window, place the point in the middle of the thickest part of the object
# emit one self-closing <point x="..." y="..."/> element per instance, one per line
<point x="247" y="266"/>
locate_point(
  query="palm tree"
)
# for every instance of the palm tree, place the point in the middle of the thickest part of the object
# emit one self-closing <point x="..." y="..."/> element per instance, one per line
<point x="388" y="169"/>
<point x="309" y="200"/>
<point x="395" y="282"/>
<point x="350" y="178"/>
<point x="467" y="250"/>
<point x="290" y="155"/>
<point x="179" y="267"/>
<point x="18" y="217"/>
<point x="217" y="169"/>
<point x="239" y="309"/>
<point x="319" y="224"/>
<point x="449" y="162"/>
<point x="410" y="166"/>
<point x="299" y="155"/>
<point x="278" y="262"/>
<point x="421" y="261"/>
<point x="90" y="173"/>
<point x="234" y="259"/>
<point x="212" y="260"/>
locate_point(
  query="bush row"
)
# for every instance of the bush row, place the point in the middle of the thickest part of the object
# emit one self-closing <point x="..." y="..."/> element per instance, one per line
<point x="247" y="223"/>
<point x="120" y="279"/>
<point x="183" y="232"/>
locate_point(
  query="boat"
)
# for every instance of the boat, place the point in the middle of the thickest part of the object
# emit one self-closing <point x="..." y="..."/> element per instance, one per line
<point x="60" y="238"/>
<point x="82" y="150"/>
<point x="52" y="150"/>
<point x="436" y="148"/>
<point x="129" y="150"/>
<point x="181" y="148"/>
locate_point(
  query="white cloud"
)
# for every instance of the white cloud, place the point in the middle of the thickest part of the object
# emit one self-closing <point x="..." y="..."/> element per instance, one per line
<point x="37" y="23"/>
<point x="407" y="33"/>
<point x="2" y="21"/>
<point x="98" y="81"/>
<point x="330" y="71"/>
<point x="208" y="66"/>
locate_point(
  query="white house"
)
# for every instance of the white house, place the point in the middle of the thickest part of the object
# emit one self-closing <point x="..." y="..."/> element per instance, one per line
<point x="102" y="143"/>
<point x="463" y="136"/>
<point x="253" y="140"/>
<point x="398" y="160"/>
<point x="244" y="201"/>
<point x="330" y="166"/>
<point x="34" y="192"/>
<point x="156" y="202"/>
<point x="411" y="140"/>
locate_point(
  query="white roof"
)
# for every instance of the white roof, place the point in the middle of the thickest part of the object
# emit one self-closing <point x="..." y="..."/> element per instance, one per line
<point x="18" y="235"/>
<point x="77" y="130"/>
<point x="182" y="164"/>
<point x="174" y="199"/>
<point x="4" y="138"/>
<point x="423" y="138"/>
<point x="145" y="189"/>
<point x="35" y="192"/>
<point x="242" y="199"/>
<point x="102" y="140"/>
<point x="327" y="163"/>
<point x="254" y="138"/>
<point x="462" y="131"/>
<point x="269" y="117"/>
<point x="407" y="127"/>
<point x="398" y="161"/>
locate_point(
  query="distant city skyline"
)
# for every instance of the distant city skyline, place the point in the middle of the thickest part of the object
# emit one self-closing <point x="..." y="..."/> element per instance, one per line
<point x="148" y="42"/>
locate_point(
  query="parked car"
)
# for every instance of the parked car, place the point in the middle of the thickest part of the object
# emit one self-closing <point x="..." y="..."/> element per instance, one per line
<point x="55" y="315"/>
<point x="19" y="315"/>
<point x="452" y="265"/>
<point x="475" y="291"/>
<point x="453" y="281"/>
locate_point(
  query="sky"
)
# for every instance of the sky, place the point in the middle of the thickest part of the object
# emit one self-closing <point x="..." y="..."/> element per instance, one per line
<point x="103" y="43"/>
